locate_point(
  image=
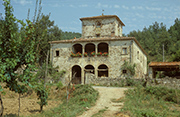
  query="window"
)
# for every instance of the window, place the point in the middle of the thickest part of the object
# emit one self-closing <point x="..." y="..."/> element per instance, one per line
<point x="124" y="71"/>
<point x="97" y="35"/>
<point x="137" y="54"/>
<point x="124" y="51"/>
<point x="57" y="52"/>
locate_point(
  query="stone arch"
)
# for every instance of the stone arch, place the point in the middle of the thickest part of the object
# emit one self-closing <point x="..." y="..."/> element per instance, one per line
<point x="76" y="74"/>
<point x="90" y="69"/>
<point x="103" y="47"/>
<point x="103" y="70"/>
<point x="77" y="48"/>
<point x="89" y="48"/>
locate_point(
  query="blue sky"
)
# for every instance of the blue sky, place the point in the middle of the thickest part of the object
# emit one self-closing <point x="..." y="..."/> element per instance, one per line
<point x="135" y="14"/>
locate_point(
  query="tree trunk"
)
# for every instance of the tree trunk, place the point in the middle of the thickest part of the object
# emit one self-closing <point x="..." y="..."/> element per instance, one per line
<point x="46" y="72"/>
<point x="19" y="105"/>
<point x="2" y="108"/>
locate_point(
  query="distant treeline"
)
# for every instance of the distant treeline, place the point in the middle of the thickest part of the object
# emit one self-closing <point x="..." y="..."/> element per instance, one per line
<point x="153" y="38"/>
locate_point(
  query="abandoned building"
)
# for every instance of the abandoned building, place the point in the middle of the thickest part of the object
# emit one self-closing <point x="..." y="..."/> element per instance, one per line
<point x="99" y="53"/>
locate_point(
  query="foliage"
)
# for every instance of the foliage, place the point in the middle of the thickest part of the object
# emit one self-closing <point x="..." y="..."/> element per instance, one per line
<point x="142" y="104"/>
<point x="16" y="50"/>
<point x="85" y="54"/>
<point x="70" y="35"/>
<point x="129" y="67"/>
<point x="155" y="36"/>
<point x="76" y="55"/>
<point x="59" y="85"/>
<point x="167" y="94"/>
<point x="42" y="94"/>
<point x="83" y="97"/>
<point x="100" y="112"/>
<point x="93" y="53"/>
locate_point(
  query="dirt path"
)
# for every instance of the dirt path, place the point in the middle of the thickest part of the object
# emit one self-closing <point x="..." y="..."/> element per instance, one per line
<point x="106" y="94"/>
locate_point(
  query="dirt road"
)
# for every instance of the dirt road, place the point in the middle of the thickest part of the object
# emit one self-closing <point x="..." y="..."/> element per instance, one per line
<point x="106" y="94"/>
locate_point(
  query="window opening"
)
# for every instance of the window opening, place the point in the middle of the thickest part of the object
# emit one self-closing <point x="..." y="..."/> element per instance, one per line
<point x="124" y="71"/>
<point x="90" y="49"/>
<point x="57" y="52"/>
<point x="103" y="49"/>
<point x="89" y="68"/>
<point x="102" y="71"/>
<point x="137" y="54"/>
<point x="124" y="51"/>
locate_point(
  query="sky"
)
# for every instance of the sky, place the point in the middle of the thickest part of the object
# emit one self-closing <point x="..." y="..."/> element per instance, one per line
<point x="135" y="14"/>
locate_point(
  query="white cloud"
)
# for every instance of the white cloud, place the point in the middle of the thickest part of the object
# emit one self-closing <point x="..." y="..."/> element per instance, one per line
<point x="99" y="5"/>
<point x="139" y="15"/>
<point x="72" y="6"/>
<point x="55" y="5"/>
<point x="137" y="8"/>
<point x="23" y="2"/>
<point x="125" y="7"/>
<point x="116" y="6"/>
<point x="153" y="8"/>
<point x="83" y="5"/>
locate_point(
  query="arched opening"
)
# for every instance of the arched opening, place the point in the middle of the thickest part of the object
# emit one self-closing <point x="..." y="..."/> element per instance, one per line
<point x="90" y="49"/>
<point x="89" y="69"/>
<point x="103" y="49"/>
<point x="77" y="48"/>
<point x="76" y="74"/>
<point x="102" y="71"/>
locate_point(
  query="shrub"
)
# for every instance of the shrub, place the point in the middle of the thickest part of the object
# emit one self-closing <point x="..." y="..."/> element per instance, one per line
<point x="172" y="95"/>
<point x="142" y="102"/>
<point x="59" y="85"/>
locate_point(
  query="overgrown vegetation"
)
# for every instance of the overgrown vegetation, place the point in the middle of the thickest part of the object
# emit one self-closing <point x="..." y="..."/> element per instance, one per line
<point x="152" y="102"/>
<point x="80" y="99"/>
<point x="130" y="68"/>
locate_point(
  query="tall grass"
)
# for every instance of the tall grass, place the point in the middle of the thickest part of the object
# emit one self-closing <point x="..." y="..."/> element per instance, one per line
<point x="147" y="102"/>
<point x="83" y="97"/>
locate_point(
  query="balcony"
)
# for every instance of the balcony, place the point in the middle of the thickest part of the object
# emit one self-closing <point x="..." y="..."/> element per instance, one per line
<point x="90" y="50"/>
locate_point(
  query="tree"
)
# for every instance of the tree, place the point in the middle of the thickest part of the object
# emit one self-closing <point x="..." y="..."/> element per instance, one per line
<point x="15" y="50"/>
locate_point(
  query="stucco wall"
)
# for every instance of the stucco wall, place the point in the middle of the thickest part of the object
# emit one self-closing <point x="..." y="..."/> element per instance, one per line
<point x="113" y="61"/>
<point x="140" y="61"/>
<point x="108" y="26"/>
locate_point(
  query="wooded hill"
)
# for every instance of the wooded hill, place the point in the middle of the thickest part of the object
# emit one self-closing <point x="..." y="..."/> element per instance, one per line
<point x="155" y="36"/>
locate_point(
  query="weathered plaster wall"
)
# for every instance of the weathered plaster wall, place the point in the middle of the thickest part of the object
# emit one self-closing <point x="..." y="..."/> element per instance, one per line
<point x="108" y="26"/>
<point x="140" y="61"/>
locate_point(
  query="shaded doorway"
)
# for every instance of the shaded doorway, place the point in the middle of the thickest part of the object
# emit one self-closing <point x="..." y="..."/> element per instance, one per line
<point x="76" y="74"/>
<point x="89" y="74"/>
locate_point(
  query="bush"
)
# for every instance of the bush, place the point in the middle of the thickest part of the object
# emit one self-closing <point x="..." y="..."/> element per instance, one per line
<point x="81" y="98"/>
<point x="59" y="85"/>
<point x="172" y="95"/>
<point x="142" y="102"/>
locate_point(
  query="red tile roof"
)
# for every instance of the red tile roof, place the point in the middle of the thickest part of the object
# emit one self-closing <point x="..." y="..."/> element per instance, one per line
<point x="153" y="64"/>
<point x="103" y="17"/>
<point x="99" y="39"/>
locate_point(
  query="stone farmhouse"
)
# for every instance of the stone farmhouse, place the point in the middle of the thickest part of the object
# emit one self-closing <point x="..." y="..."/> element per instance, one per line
<point x="99" y="53"/>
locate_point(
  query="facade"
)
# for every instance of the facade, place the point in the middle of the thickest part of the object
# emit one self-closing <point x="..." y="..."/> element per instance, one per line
<point x="99" y="53"/>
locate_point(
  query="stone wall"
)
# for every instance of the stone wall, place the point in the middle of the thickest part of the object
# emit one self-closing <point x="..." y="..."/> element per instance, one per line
<point x="169" y="82"/>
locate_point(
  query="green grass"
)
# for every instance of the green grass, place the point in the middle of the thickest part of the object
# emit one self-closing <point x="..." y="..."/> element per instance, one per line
<point x="82" y="97"/>
<point x="100" y="112"/>
<point x="146" y="102"/>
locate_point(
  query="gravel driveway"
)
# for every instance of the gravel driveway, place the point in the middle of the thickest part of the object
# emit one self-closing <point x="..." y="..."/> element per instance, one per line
<point x="106" y="94"/>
